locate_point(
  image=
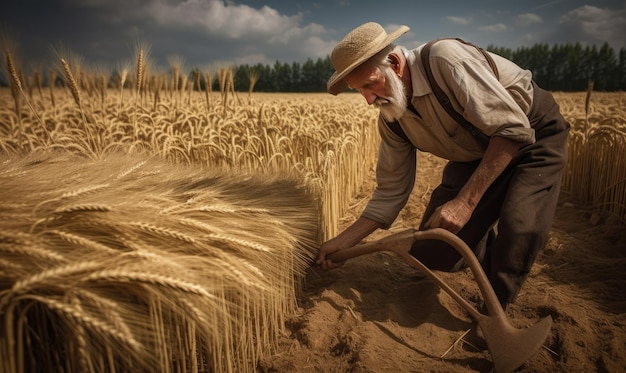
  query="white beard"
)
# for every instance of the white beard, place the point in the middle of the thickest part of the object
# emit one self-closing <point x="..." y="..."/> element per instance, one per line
<point x="392" y="107"/>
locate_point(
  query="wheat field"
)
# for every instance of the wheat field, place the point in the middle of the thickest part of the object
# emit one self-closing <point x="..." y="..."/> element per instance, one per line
<point x="169" y="237"/>
<point x="157" y="226"/>
<point x="595" y="174"/>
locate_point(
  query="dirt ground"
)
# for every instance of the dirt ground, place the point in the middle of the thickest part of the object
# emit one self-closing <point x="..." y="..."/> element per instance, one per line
<point x="378" y="314"/>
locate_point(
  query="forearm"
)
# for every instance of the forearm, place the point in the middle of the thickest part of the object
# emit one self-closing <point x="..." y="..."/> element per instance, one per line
<point x="498" y="155"/>
<point x="360" y="229"/>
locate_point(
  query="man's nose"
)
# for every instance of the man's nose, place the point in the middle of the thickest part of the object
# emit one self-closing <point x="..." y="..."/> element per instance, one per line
<point x="369" y="97"/>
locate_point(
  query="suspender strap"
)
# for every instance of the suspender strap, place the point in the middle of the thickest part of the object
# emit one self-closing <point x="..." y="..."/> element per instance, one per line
<point x="443" y="98"/>
<point x="395" y="127"/>
<point x="488" y="57"/>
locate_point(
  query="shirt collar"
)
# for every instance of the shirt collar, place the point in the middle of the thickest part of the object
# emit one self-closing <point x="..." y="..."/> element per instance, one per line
<point x="418" y="76"/>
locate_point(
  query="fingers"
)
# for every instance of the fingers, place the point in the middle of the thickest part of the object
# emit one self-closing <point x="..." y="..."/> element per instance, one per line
<point x="327" y="248"/>
<point x="449" y="226"/>
<point x="321" y="257"/>
<point x="434" y="221"/>
<point x="329" y="264"/>
<point x="441" y="218"/>
<point x="326" y="264"/>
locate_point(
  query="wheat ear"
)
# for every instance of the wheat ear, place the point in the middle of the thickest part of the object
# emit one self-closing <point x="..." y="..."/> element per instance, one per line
<point x="16" y="87"/>
<point x="71" y="83"/>
<point x="51" y="79"/>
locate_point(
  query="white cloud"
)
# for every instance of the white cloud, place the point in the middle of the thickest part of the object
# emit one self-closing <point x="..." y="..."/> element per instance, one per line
<point x="528" y="39"/>
<point x="590" y="24"/>
<point x="499" y="27"/>
<point x="317" y="47"/>
<point x="458" y="20"/>
<point x="256" y="33"/>
<point x="223" y="19"/>
<point x="528" y="19"/>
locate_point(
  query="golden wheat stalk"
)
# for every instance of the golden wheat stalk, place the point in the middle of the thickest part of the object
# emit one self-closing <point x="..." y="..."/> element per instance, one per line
<point x="16" y="82"/>
<point x="52" y="75"/>
<point x="587" y="102"/>
<point x="140" y="71"/>
<point x="38" y="83"/>
<point x="71" y="82"/>
<point x="122" y="82"/>
<point x="208" y="83"/>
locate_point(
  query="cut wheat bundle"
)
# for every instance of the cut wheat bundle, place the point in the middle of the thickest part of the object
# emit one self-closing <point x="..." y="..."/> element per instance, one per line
<point x="117" y="265"/>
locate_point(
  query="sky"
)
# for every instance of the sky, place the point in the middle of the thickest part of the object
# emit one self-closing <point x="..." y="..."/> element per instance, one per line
<point x="205" y="33"/>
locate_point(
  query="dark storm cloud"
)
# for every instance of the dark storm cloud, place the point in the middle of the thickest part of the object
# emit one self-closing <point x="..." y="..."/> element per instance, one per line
<point x="45" y="26"/>
<point x="204" y="32"/>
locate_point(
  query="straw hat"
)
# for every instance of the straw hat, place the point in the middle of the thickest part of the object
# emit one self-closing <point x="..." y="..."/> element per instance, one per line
<point x="355" y="48"/>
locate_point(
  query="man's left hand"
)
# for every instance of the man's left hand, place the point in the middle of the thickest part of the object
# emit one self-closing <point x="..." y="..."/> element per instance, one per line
<point x="451" y="216"/>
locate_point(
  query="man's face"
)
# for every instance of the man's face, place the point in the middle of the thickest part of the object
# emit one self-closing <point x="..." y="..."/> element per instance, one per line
<point x="381" y="87"/>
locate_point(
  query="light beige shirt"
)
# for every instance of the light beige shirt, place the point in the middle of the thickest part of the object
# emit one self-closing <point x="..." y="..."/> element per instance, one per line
<point x="495" y="107"/>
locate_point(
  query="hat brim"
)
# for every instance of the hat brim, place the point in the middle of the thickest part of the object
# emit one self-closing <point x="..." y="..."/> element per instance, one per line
<point x="336" y="83"/>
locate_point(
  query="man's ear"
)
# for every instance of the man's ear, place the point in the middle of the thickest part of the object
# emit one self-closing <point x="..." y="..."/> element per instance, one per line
<point x="396" y="63"/>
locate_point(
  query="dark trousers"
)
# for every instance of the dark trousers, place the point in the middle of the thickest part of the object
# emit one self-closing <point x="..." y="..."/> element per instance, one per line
<point x="521" y="202"/>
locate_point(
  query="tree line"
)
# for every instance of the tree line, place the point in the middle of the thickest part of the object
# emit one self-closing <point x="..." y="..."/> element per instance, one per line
<point x="560" y="67"/>
<point x="569" y="67"/>
<point x="310" y="76"/>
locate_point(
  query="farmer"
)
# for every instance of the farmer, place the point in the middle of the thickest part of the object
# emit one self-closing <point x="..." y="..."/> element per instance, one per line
<point x="500" y="187"/>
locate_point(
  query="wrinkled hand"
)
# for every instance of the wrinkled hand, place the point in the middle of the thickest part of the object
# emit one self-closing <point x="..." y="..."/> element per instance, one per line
<point x="326" y="249"/>
<point x="451" y="216"/>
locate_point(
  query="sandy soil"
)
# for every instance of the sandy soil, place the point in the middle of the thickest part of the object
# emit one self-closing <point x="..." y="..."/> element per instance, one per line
<point x="379" y="314"/>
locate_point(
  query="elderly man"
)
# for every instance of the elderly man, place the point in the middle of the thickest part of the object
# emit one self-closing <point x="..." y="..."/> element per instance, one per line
<point x="500" y="188"/>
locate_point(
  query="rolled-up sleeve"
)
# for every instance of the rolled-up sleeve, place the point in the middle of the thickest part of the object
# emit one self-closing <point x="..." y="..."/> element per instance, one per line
<point x="395" y="177"/>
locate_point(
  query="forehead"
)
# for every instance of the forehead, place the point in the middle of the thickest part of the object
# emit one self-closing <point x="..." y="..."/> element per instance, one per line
<point x="362" y="75"/>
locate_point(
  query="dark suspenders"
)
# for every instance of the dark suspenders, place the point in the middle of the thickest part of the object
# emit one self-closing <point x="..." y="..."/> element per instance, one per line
<point x="441" y="96"/>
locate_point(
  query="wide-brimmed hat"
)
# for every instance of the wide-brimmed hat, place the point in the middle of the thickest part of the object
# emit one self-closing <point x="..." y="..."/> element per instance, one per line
<point x="357" y="47"/>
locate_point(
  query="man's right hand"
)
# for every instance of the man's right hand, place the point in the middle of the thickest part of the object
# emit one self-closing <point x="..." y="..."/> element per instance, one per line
<point x="326" y="249"/>
<point x="348" y="238"/>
